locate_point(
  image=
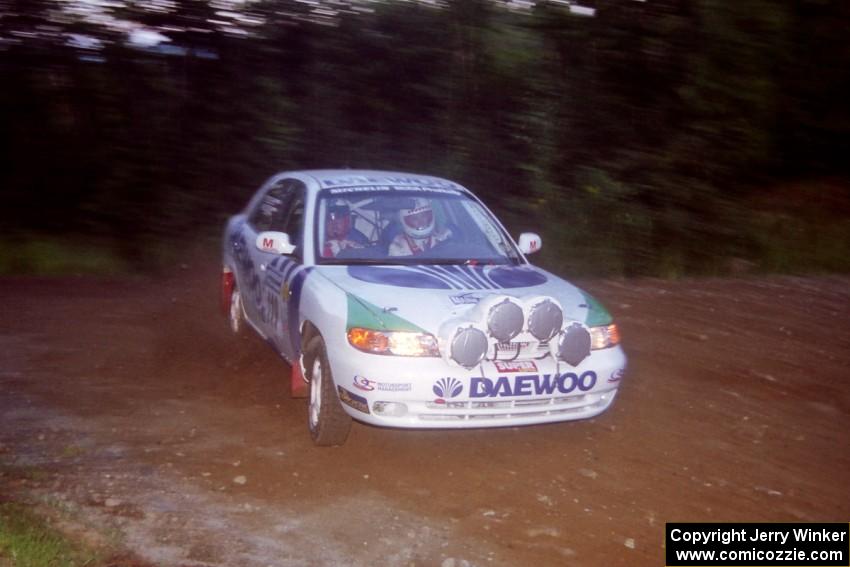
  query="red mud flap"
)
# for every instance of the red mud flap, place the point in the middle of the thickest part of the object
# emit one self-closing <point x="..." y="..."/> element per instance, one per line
<point x="298" y="385"/>
<point x="227" y="283"/>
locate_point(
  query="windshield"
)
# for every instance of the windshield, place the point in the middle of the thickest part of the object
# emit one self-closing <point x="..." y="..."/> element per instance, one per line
<point x="388" y="225"/>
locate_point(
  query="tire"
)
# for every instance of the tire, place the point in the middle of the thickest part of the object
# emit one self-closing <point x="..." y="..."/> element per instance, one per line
<point x="328" y="422"/>
<point x="236" y="314"/>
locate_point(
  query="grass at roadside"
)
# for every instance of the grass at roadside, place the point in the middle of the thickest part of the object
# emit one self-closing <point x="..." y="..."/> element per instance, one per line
<point x="43" y="531"/>
<point x="53" y="255"/>
<point x="602" y="228"/>
<point x="36" y="254"/>
<point x="27" y="540"/>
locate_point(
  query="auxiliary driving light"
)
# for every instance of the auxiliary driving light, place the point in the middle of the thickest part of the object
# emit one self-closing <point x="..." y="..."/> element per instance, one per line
<point x="504" y="320"/>
<point x="468" y="346"/>
<point x="574" y="344"/>
<point x="545" y="319"/>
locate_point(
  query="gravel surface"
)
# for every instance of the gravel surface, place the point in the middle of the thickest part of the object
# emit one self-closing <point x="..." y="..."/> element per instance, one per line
<point x="129" y="411"/>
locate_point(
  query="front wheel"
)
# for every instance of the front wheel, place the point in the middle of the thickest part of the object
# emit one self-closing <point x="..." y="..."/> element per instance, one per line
<point x="328" y="422"/>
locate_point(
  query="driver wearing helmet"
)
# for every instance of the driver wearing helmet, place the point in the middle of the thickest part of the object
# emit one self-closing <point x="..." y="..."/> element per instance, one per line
<point x="338" y="227"/>
<point x="419" y="232"/>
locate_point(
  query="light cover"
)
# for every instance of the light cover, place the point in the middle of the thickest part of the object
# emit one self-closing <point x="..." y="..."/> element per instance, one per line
<point x="398" y="343"/>
<point x="604" y="336"/>
<point x="468" y="346"/>
<point x="505" y="320"/>
<point x="574" y="344"/>
<point x="545" y="319"/>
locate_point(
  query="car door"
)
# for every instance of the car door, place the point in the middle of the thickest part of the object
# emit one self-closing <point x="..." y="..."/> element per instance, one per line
<point x="280" y="209"/>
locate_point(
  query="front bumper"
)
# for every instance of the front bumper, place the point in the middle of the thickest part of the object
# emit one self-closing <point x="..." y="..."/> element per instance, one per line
<point x="429" y="393"/>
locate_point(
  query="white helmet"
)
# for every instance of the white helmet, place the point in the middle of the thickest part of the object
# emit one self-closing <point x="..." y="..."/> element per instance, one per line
<point x="418" y="222"/>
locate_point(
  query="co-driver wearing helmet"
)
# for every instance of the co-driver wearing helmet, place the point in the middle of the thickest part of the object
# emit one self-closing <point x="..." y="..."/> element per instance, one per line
<point x="419" y="232"/>
<point x="337" y="230"/>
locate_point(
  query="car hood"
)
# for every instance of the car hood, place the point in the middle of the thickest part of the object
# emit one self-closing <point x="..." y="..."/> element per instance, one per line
<point x="423" y="297"/>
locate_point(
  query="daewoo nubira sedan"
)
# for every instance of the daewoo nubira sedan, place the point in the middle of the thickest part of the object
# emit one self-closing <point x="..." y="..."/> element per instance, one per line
<point x="401" y="301"/>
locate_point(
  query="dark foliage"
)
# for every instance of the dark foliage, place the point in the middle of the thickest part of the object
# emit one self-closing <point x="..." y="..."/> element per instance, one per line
<point x="663" y="137"/>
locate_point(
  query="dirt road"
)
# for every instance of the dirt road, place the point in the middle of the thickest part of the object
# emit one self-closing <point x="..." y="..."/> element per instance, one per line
<point x="128" y="409"/>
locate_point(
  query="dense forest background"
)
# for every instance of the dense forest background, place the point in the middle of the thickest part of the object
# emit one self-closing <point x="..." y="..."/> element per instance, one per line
<point x="657" y="137"/>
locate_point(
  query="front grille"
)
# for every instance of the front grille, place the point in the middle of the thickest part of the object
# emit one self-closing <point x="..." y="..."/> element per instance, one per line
<point x="516" y="409"/>
<point x="519" y="351"/>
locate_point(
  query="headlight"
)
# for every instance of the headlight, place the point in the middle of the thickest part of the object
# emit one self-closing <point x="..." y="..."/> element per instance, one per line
<point x="398" y="343"/>
<point x="604" y="336"/>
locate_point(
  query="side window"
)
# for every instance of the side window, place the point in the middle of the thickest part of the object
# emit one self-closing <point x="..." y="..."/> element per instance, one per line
<point x="293" y="224"/>
<point x="281" y="209"/>
<point x="271" y="211"/>
<point x="268" y="210"/>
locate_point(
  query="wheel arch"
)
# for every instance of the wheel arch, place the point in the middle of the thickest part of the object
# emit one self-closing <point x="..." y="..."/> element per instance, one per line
<point x="299" y="387"/>
<point x="328" y="420"/>
<point x="308" y="331"/>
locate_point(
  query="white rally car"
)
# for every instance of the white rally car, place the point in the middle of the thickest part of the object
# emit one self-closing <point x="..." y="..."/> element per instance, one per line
<point x="400" y="300"/>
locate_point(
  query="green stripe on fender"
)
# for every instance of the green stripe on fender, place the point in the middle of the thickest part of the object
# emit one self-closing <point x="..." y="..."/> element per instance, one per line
<point x="361" y="313"/>
<point x="596" y="313"/>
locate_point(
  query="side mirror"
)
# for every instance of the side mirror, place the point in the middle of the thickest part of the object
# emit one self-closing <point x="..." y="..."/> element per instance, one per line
<point x="274" y="242"/>
<point x="529" y="243"/>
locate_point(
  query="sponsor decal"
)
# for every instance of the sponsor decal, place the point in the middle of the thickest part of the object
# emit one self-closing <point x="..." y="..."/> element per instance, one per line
<point x="447" y="388"/>
<point x="617" y="375"/>
<point x="351" y="399"/>
<point x="514" y="346"/>
<point x="368" y="385"/>
<point x="516" y="366"/>
<point x="272" y="298"/>
<point x="364" y="384"/>
<point x="361" y="189"/>
<point x="375" y="188"/>
<point x="531" y="385"/>
<point x="394" y="387"/>
<point x="470" y="298"/>
<point x="410" y="183"/>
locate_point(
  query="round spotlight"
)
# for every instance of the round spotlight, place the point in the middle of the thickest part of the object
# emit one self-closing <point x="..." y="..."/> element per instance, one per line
<point x="468" y="346"/>
<point x="574" y="345"/>
<point x="504" y="320"/>
<point x="545" y="320"/>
